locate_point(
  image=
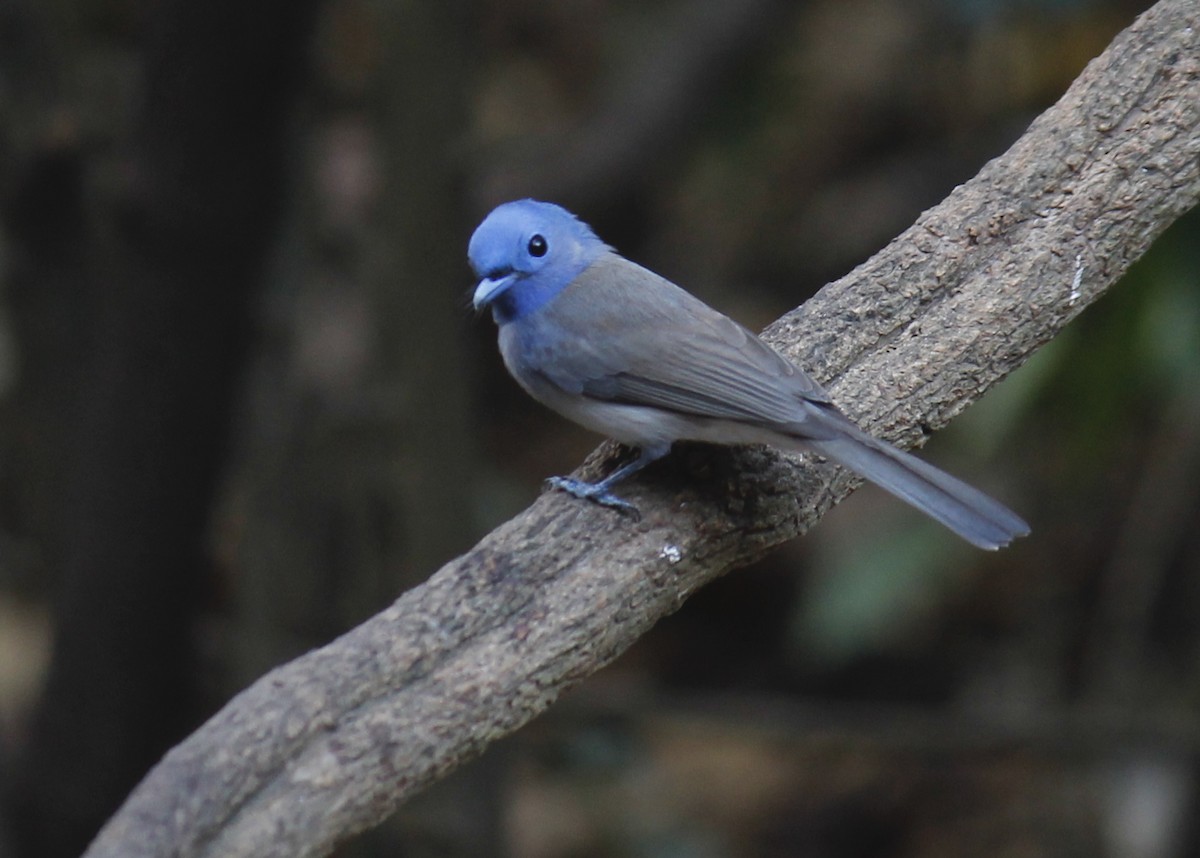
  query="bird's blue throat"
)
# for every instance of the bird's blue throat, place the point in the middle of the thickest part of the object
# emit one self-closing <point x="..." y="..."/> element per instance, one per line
<point x="521" y="299"/>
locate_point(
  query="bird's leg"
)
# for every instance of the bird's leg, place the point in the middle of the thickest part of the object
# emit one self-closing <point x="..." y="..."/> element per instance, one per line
<point x="599" y="491"/>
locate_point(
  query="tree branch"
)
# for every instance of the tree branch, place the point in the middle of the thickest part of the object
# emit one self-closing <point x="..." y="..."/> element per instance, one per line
<point x="333" y="742"/>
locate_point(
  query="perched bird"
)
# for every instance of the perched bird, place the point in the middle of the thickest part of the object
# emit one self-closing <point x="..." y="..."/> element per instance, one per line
<point x="624" y="352"/>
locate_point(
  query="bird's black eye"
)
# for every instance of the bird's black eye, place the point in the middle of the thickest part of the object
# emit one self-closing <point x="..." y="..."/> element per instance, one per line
<point x="538" y="246"/>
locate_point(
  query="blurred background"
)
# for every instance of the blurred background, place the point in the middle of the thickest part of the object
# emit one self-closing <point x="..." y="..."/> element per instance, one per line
<point x="244" y="405"/>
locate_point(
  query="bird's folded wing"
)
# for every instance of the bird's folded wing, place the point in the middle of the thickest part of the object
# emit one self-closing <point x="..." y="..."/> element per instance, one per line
<point x="624" y="334"/>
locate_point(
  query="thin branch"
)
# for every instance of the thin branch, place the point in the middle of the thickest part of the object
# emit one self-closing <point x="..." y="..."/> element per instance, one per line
<point x="333" y="742"/>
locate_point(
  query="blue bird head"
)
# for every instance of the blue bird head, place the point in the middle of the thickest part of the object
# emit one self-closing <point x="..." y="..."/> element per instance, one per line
<point x="525" y="253"/>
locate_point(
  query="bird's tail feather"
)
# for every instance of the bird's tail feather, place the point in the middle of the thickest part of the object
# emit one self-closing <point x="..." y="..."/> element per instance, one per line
<point x="977" y="518"/>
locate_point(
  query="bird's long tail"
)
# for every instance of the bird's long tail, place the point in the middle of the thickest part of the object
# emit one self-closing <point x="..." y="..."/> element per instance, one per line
<point x="977" y="518"/>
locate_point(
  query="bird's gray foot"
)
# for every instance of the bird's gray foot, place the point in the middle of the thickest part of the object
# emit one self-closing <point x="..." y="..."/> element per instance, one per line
<point x="595" y="492"/>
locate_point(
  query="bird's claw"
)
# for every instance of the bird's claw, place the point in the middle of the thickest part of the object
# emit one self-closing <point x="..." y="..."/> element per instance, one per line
<point x="595" y="492"/>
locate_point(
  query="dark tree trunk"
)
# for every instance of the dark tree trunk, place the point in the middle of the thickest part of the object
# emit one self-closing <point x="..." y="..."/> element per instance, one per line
<point x="170" y="267"/>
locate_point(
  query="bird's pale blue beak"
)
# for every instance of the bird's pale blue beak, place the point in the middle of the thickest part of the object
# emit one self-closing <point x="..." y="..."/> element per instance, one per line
<point x="490" y="288"/>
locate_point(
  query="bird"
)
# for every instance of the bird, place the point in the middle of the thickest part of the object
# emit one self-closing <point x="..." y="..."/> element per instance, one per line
<point x="626" y="353"/>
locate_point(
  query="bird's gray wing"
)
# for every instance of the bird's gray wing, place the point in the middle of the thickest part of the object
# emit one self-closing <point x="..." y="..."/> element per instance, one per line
<point x="623" y="334"/>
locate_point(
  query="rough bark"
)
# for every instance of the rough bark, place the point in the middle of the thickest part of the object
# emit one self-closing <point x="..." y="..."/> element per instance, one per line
<point x="334" y="741"/>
